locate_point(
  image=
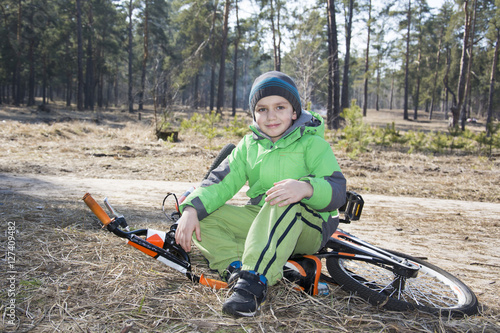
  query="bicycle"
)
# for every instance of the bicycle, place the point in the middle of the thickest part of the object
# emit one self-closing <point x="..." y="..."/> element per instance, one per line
<point x="384" y="278"/>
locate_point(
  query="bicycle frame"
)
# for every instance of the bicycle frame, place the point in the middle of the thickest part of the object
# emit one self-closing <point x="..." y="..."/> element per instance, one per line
<point x="345" y="245"/>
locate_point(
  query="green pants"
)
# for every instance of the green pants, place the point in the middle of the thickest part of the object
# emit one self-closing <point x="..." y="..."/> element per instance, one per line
<point x="262" y="238"/>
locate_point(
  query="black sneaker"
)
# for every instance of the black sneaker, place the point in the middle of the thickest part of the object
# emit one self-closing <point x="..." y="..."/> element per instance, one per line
<point x="249" y="293"/>
<point x="232" y="273"/>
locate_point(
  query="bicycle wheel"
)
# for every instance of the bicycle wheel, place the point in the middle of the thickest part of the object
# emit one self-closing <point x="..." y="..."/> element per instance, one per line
<point x="433" y="290"/>
<point x="224" y="152"/>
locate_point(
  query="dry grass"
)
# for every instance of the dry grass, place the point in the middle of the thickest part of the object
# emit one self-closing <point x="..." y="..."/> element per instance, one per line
<point x="466" y="177"/>
<point x="74" y="277"/>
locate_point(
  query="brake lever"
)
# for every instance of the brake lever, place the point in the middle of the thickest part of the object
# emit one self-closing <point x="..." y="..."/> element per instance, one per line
<point x="120" y="218"/>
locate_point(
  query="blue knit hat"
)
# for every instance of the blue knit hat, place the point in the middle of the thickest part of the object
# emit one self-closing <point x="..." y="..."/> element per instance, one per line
<point x="275" y="83"/>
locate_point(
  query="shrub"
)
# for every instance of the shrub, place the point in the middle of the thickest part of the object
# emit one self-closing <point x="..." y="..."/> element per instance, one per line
<point x="237" y="127"/>
<point x="388" y="135"/>
<point x="439" y="142"/>
<point x="417" y="141"/>
<point x="356" y="136"/>
<point x="489" y="139"/>
<point x="206" y="125"/>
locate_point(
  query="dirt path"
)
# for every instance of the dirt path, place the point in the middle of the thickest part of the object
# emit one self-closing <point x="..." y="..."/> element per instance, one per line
<point x="148" y="193"/>
<point x="458" y="236"/>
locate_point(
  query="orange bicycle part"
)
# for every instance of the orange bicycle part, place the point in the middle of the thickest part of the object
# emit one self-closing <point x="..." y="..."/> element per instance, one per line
<point x="96" y="209"/>
<point x="212" y="283"/>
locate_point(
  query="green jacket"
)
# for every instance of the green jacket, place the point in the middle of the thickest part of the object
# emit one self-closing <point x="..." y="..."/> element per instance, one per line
<point x="301" y="153"/>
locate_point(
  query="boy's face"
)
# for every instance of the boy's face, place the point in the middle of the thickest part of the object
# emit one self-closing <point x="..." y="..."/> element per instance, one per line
<point x="274" y="115"/>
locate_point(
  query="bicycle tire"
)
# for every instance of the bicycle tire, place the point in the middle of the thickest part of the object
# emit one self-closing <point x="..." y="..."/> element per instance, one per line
<point x="433" y="290"/>
<point x="224" y="152"/>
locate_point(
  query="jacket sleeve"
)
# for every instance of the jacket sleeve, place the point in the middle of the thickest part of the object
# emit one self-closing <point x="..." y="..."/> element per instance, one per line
<point x="221" y="185"/>
<point x="326" y="178"/>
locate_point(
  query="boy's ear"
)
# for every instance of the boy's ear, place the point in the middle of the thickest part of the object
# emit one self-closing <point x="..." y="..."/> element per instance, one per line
<point x="294" y="115"/>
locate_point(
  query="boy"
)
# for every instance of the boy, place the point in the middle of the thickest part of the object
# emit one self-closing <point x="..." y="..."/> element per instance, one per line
<point x="295" y="188"/>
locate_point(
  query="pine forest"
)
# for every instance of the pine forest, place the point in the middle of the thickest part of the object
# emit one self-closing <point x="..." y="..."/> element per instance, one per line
<point x="204" y="54"/>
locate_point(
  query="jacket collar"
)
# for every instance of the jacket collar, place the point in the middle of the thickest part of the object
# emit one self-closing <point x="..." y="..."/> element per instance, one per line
<point x="309" y="122"/>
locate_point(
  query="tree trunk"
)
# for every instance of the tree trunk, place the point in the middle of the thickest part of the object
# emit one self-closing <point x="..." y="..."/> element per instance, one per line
<point x="130" y="57"/>
<point x="115" y="84"/>
<point x="44" y="79"/>
<point x="344" y="102"/>
<point x="245" y="80"/>
<point x="273" y="29"/>
<point x="235" y="61"/>
<point x="31" y="82"/>
<point x="109" y="92"/>
<point x="276" y="35"/>
<point x="391" y="98"/>
<point x="102" y="97"/>
<point x="489" y="117"/>
<point x="222" y="68"/>
<point x="333" y="108"/>
<point x="448" y="91"/>
<point x="69" y="88"/>
<point x="100" y="89"/>
<point x="212" y="86"/>
<point x="329" y="100"/>
<point x="417" y="88"/>
<point x="89" y="86"/>
<point x="367" y="61"/>
<point x="377" y="107"/>
<point x="79" y="93"/>
<point x="164" y="93"/>
<point x="407" y="62"/>
<point x="69" y="74"/>
<point x="196" y="93"/>
<point x="464" y="60"/>
<point x="235" y="77"/>
<point x="212" y="52"/>
<point x="17" y="94"/>
<point x="145" y="56"/>
<point x="463" y="110"/>
<point x="436" y="73"/>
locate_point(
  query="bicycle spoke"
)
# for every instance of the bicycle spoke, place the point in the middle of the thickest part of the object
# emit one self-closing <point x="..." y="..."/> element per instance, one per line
<point x="427" y="290"/>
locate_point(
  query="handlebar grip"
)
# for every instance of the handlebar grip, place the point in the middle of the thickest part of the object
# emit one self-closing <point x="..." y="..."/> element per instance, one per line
<point x="96" y="209"/>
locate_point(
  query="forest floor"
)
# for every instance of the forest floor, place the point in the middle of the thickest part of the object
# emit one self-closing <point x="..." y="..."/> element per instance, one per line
<point x="62" y="272"/>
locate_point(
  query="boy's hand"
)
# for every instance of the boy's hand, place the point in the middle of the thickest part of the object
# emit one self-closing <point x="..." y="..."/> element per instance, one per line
<point x="187" y="224"/>
<point x="288" y="191"/>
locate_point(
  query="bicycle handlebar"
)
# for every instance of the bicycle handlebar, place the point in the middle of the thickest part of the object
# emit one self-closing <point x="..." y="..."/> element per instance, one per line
<point x="96" y="209"/>
<point x="173" y="256"/>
